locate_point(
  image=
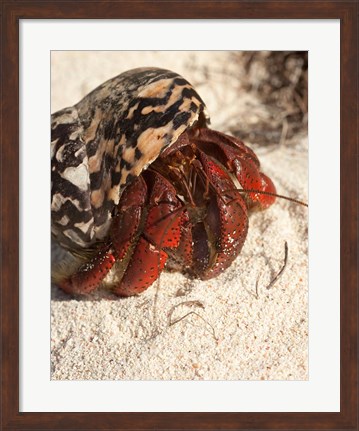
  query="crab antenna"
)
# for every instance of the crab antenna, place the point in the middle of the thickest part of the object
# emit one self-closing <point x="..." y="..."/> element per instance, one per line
<point x="262" y="192"/>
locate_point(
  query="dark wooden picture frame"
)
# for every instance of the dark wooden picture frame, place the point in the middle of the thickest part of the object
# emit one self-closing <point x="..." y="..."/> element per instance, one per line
<point x="14" y="11"/>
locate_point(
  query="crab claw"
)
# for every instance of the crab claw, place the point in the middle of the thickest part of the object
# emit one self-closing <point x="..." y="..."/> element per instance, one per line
<point x="144" y="230"/>
<point x="226" y="222"/>
<point x="241" y="161"/>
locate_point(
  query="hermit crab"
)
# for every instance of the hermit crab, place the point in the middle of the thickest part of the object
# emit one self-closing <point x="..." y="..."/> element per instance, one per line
<point x="141" y="183"/>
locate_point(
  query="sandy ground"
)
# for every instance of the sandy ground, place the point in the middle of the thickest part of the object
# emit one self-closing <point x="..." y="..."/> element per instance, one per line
<point x="229" y="328"/>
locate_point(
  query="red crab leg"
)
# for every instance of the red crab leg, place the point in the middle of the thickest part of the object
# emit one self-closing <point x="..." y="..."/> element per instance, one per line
<point x="89" y="275"/>
<point x="241" y="161"/>
<point x="125" y="230"/>
<point x="161" y="230"/>
<point x="226" y="223"/>
<point x="127" y="225"/>
<point x="144" y="268"/>
<point x="182" y="257"/>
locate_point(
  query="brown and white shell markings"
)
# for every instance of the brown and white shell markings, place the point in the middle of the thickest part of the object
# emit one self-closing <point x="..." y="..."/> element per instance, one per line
<point x="102" y="146"/>
<point x="108" y="138"/>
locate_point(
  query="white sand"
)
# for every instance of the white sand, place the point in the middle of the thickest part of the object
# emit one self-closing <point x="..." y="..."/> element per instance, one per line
<point x="238" y="331"/>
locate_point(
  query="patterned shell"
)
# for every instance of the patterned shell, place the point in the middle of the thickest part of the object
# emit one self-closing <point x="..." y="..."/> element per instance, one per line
<point x="107" y="139"/>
